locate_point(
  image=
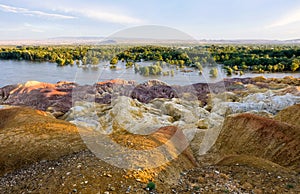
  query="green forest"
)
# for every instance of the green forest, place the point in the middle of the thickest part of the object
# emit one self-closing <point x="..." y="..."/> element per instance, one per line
<point x="256" y="58"/>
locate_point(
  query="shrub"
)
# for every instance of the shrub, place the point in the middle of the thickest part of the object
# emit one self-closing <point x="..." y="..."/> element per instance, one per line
<point x="151" y="186"/>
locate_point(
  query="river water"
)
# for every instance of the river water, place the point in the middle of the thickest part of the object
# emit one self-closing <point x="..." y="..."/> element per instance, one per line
<point x="13" y="72"/>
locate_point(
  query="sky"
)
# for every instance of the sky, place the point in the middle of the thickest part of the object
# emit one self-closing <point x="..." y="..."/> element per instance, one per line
<point x="210" y="19"/>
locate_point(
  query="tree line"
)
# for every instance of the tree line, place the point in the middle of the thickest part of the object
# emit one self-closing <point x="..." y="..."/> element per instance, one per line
<point x="235" y="58"/>
<point x="258" y="58"/>
<point x="62" y="55"/>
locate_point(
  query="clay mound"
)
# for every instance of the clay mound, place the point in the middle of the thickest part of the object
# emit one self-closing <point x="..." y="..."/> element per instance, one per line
<point x="42" y="150"/>
<point x="39" y="95"/>
<point x="161" y="137"/>
<point x="257" y="136"/>
<point x="251" y="161"/>
<point x="290" y="115"/>
<point x="28" y="136"/>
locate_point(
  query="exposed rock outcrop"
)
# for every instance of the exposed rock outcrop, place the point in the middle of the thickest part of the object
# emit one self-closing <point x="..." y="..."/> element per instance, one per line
<point x="127" y="114"/>
<point x="261" y="137"/>
<point x="58" y="98"/>
<point x="267" y="102"/>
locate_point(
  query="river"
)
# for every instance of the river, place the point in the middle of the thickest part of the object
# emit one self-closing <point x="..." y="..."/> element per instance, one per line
<point x="13" y="72"/>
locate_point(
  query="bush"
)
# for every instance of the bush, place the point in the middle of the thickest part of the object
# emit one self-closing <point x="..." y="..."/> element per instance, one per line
<point x="214" y="72"/>
<point x="151" y="186"/>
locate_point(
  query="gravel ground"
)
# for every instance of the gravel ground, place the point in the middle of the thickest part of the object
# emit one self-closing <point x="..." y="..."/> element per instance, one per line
<point x="236" y="179"/>
<point x="84" y="173"/>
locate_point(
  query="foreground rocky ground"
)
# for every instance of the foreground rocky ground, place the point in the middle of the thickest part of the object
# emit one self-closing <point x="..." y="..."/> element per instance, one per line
<point x="244" y="139"/>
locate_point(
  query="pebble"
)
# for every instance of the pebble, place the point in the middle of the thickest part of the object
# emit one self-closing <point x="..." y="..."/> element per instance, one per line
<point x="257" y="191"/>
<point x="128" y="189"/>
<point x="247" y="186"/>
<point x="225" y="176"/>
<point x="201" y="179"/>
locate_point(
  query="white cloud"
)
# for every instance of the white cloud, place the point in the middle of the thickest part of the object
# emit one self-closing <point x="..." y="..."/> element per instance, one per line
<point x="105" y="16"/>
<point x="24" y="11"/>
<point x="292" y="17"/>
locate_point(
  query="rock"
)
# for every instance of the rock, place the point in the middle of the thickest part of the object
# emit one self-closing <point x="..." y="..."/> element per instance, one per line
<point x="259" y="102"/>
<point x="201" y="179"/>
<point x="202" y="124"/>
<point x="247" y="186"/>
<point x="179" y="112"/>
<point x="61" y="96"/>
<point x="258" y="191"/>
<point x="128" y="189"/>
<point x="111" y="188"/>
<point x="125" y="114"/>
<point x="224" y="176"/>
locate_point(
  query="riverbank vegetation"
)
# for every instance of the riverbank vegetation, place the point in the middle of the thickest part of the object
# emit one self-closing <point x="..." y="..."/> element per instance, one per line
<point x="235" y="58"/>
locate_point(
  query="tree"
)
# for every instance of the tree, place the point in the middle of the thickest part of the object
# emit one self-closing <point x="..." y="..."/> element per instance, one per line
<point x="155" y="70"/>
<point x="114" y="61"/>
<point x="214" y="72"/>
<point x="95" y="61"/>
<point x="181" y="63"/>
<point x="235" y="68"/>
<point x="275" y="68"/>
<point x="145" y="71"/>
<point x="295" y="65"/>
<point x="136" y="68"/>
<point x="60" y="61"/>
<point x="281" y="67"/>
<point x="244" y="66"/>
<point x="69" y="62"/>
<point x="172" y="73"/>
<point x="129" y="64"/>
<point x="270" y="68"/>
<point x="84" y="60"/>
<point x="229" y="71"/>
<point x="199" y="66"/>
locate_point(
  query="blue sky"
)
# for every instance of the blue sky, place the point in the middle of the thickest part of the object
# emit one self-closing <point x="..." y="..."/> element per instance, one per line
<point x="210" y="19"/>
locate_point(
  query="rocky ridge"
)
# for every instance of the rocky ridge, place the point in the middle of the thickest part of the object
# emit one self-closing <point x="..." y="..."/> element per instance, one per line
<point x="59" y="98"/>
<point x="245" y="138"/>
